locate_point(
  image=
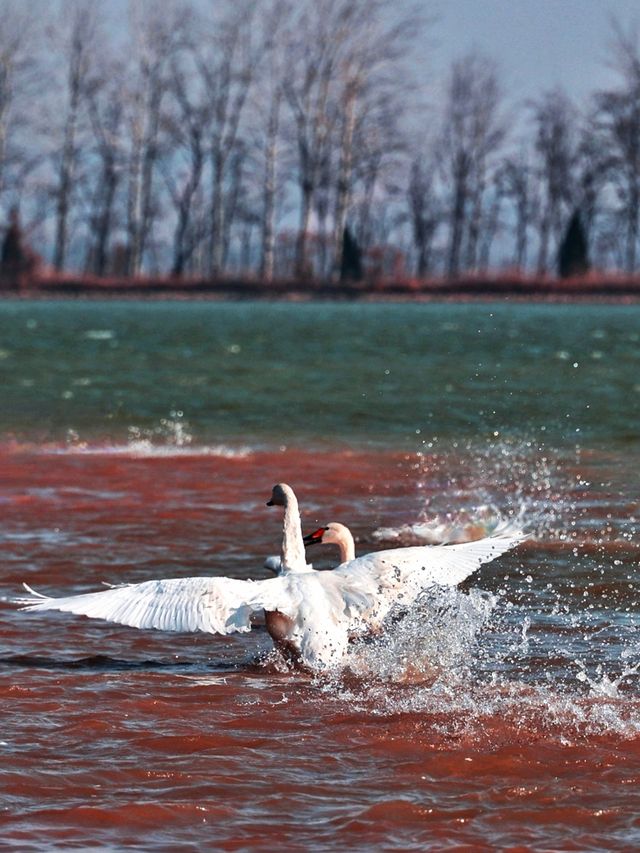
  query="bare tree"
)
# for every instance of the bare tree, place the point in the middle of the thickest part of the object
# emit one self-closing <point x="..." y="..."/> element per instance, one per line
<point x="425" y="213"/>
<point x="16" y="78"/>
<point x="358" y="61"/>
<point x="313" y="52"/>
<point x="554" y="118"/>
<point x="235" y="207"/>
<point x="516" y="176"/>
<point x="78" y="45"/>
<point x="189" y="128"/>
<point x="263" y="131"/>
<point x="618" y="120"/>
<point x="373" y="146"/>
<point x="190" y="136"/>
<point x="156" y="35"/>
<point x="269" y="183"/>
<point x="227" y="66"/>
<point x="105" y="107"/>
<point x="473" y="132"/>
<point x="273" y="88"/>
<point x="491" y="220"/>
<point x="373" y="85"/>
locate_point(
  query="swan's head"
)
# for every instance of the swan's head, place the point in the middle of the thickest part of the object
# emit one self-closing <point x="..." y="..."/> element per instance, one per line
<point x="333" y="533"/>
<point x="281" y="494"/>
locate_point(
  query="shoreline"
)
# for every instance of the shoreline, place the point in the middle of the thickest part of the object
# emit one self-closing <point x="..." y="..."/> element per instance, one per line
<point x="612" y="290"/>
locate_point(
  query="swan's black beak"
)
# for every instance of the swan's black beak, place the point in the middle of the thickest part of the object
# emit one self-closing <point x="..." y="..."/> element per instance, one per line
<point x="314" y="538"/>
<point x="270" y="502"/>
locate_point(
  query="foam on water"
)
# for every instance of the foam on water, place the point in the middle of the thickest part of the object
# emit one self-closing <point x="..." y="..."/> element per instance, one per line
<point x="99" y="335"/>
<point x="484" y="714"/>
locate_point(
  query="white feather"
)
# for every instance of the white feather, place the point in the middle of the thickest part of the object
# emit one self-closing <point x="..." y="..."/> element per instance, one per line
<point x="212" y="605"/>
<point x="372" y="584"/>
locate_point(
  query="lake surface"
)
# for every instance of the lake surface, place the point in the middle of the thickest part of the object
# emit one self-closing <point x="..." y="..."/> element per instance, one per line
<point x="141" y="440"/>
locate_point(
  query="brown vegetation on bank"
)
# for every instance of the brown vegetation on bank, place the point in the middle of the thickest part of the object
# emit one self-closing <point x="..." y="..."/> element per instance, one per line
<point x="45" y="284"/>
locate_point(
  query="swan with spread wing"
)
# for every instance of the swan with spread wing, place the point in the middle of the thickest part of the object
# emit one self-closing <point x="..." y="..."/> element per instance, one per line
<point x="309" y="614"/>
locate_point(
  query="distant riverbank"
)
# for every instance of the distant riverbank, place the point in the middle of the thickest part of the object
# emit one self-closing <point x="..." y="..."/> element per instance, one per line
<point x="592" y="288"/>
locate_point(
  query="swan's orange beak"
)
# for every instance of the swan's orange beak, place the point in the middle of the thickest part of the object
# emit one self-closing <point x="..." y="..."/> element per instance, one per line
<point x="314" y="538"/>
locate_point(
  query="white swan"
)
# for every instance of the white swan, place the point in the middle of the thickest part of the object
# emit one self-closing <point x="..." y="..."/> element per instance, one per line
<point x="310" y="615"/>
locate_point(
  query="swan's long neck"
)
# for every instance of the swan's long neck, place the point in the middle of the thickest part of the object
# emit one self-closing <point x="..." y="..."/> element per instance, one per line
<point x="347" y="546"/>
<point x="292" y="554"/>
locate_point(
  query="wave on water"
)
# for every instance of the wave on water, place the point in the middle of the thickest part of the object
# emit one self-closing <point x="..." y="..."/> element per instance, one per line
<point x="148" y="449"/>
<point x="105" y="663"/>
<point x="171" y="437"/>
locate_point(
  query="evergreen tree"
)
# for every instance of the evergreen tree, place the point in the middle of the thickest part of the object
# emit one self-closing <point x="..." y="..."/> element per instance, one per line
<point x="351" y="266"/>
<point x="573" y="255"/>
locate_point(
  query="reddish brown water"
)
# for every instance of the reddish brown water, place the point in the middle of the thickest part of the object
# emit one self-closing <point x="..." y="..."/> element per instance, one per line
<point x="504" y="717"/>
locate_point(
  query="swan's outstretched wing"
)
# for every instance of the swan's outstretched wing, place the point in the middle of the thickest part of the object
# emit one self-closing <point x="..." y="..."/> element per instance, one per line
<point x="318" y="628"/>
<point x="370" y="585"/>
<point x="213" y="605"/>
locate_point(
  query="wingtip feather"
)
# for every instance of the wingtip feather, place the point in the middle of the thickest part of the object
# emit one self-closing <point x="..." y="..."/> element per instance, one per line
<point x="27" y="603"/>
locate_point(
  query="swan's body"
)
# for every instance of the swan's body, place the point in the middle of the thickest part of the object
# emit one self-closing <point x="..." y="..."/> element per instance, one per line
<point x="310" y="615"/>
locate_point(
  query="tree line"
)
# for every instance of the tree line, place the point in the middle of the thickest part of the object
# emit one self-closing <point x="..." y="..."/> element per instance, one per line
<point x="250" y="136"/>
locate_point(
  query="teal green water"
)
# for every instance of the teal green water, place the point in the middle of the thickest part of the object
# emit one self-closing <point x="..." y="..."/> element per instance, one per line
<point x="317" y="373"/>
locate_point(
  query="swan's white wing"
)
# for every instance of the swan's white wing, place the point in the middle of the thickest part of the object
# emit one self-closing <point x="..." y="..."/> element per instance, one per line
<point x="319" y="629"/>
<point x="212" y="605"/>
<point x="370" y="585"/>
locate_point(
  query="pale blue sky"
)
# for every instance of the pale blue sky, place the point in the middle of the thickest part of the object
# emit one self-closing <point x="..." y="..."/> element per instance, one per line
<point x="537" y="43"/>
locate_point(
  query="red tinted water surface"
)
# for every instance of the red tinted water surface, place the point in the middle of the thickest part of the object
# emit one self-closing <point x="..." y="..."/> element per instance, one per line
<point x="123" y="739"/>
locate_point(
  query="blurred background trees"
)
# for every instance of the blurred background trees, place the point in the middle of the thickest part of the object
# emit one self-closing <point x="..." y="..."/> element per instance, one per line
<point x="248" y="137"/>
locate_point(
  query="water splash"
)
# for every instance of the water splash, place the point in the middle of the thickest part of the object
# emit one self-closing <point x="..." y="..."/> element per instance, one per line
<point x="557" y="496"/>
<point x="173" y="431"/>
<point x="465" y="525"/>
<point x="436" y="635"/>
<point x="602" y="683"/>
<point x="472" y="666"/>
